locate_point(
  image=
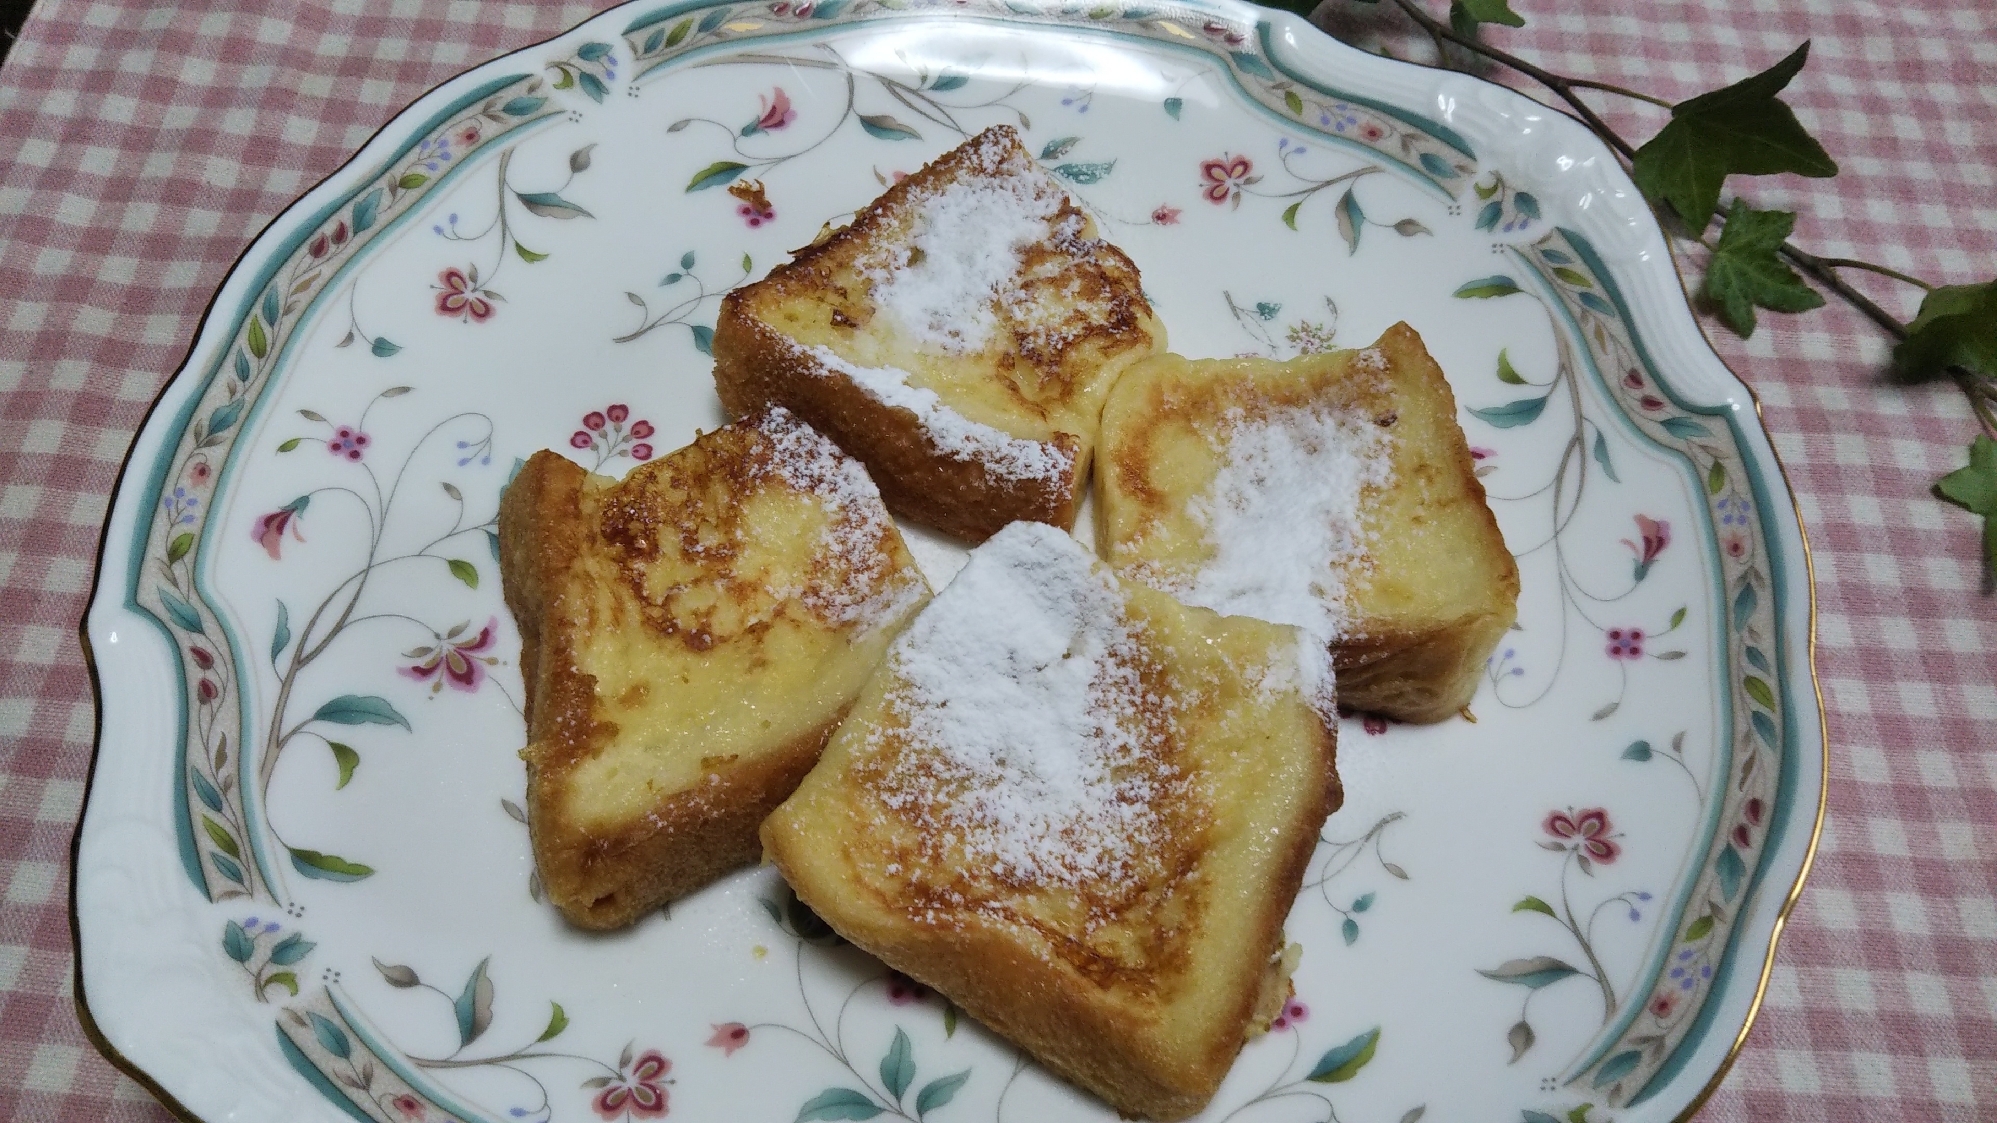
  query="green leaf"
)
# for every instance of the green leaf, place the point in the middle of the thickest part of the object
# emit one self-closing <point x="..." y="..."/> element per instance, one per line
<point x="1699" y="928"/>
<point x="1716" y="478"/>
<point x="547" y="204"/>
<point x="237" y="943"/>
<point x="939" y="1091"/>
<point x="291" y="949"/>
<point x="527" y="255"/>
<point x="259" y="343"/>
<point x="1492" y="11"/>
<point x="1505" y="371"/>
<point x="1364" y="902"/>
<point x="347" y="759"/>
<point x="290" y="444"/>
<point x="1343" y="1062"/>
<point x="327" y="867"/>
<point x="282" y="636"/>
<point x="177" y="549"/>
<point x="1293" y="103"/>
<point x="883" y="127"/>
<point x="1974" y="488"/>
<point x="1351" y="221"/>
<point x="1058" y="147"/>
<point x="1602" y="458"/>
<point x="1741" y="129"/>
<point x="1349" y="930"/>
<point x="1746" y="270"/>
<point x="412" y="180"/>
<point x="1290" y="214"/>
<point x="1638" y="751"/>
<point x="949" y="1023"/>
<point x="716" y="174"/>
<point x="464" y="571"/>
<point x="383" y="347"/>
<point x="1957" y="326"/>
<point x="1487" y="288"/>
<point x="703" y="338"/>
<point x="474" y="1004"/>
<point x="182" y="612"/>
<point x="1573" y="277"/>
<point x="1085" y="173"/>
<point x="331" y="1037"/>
<point x="286" y="979"/>
<point x="1513" y="414"/>
<point x="557" y="1022"/>
<point x="838" y="1103"/>
<point x="361" y="709"/>
<point x="1678" y="617"/>
<point x="522" y="106"/>
<point x="1175" y="106"/>
<point x="1533" y="973"/>
<point x="1757" y="689"/>
<point x="898" y="1066"/>
<point x="679" y="32"/>
<point x="1533" y="904"/>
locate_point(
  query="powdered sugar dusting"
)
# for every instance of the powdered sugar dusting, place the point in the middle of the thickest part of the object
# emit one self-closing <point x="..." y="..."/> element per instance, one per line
<point x="1283" y="515"/>
<point x="951" y="433"/>
<point x="941" y="287"/>
<point x="862" y="586"/>
<point x="1026" y="741"/>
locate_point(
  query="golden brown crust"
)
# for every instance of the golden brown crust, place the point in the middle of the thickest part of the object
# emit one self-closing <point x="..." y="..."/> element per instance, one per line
<point x="1442" y="587"/>
<point x="653" y="562"/>
<point x="1141" y="997"/>
<point x="1050" y="374"/>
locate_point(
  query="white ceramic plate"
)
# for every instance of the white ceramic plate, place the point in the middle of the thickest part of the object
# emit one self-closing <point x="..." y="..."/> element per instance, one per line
<point x="303" y="891"/>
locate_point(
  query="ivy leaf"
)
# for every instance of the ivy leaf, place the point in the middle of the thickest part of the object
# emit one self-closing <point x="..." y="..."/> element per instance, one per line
<point x="1974" y="488"/>
<point x="1491" y="11"/>
<point x="1957" y="327"/>
<point x="1746" y="270"/>
<point x="1740" y="129"/>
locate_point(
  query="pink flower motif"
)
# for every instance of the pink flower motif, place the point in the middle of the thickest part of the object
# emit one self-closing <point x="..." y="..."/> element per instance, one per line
<point x="603" y="431"/>
<point x="1625" y="643"/>
<point x="640" y="429"/>
<point x="453" y="659"/>
<point x="775" y="111"/>
<point x="641" y="451"/>
<point x="728" y="1037"/>
<point x="618" y="413"/>
<point x="269" y="531"/>
<point x="459" y="295"/>
<point x="1655" y="535"/>
<point x="1166" y="216"/>
<point x="580" y="439"/>
<point x="1294" y="1012"/>
<point x="408" y="1105"/>
<point x="1477" y="453"/>
<point x="1662" y="1004"/>
<point x="1225" y="177"/>
<point x="348" y="443"/>
<point x="1588" y="832"/>
<point x="1371" y="132"/>
<point x="198" y="472"/>
<point x="593" y="420"/>
<point x="1735" y="543"/>
<point x="206" y="662"/>
<point x="638" y="1092"/>
<point x="903" y="990"/>
<point x="468" y="135"/>
<point x="208" y="691"/>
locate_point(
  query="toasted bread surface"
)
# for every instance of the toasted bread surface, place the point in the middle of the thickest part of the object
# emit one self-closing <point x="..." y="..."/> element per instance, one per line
<point x="690" y="637"/>
<point x="1081" y="811"/>
<point x="958" y="337"/>
<point x="1413" y="587"/>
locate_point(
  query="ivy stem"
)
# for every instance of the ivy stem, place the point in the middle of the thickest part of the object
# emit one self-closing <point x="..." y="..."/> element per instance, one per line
<point x="1623" y="91"/>
<point x="1564" y="87"/>
<point x="1854" y="263"/>
<point x="1823" y="271"/>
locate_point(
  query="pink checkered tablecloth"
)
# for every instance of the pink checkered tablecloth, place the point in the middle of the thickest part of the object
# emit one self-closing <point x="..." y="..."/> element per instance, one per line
<point x="143" y="146"/>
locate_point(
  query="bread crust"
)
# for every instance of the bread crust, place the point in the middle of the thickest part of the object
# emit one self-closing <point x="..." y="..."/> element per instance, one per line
<point x="602" y="875"/>
<point x="757" y="365"/>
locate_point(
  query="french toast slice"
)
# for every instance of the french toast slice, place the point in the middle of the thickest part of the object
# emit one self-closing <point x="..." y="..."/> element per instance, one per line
<point x="690" y="636"/>
<point x="958" y="337"/>
<point x="1335" y="492"/>
<point x="1080" y="810"/>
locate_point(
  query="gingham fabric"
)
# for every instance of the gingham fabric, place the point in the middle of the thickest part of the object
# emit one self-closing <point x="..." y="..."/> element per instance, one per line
<point x="142" y="147"/>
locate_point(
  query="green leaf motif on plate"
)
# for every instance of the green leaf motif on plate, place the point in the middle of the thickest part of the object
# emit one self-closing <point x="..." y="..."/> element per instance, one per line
<point x="291" y="949"/>
<point x="1618" y="1066"/>
<point x="1487" y="288"/>
<point x="1602" y="458"/>
<point x="1085" y="173"/>
<point x="838" y="1103"/>
<point x="1343" y="1062"/>
<point x="1533" y="973"/>
<point x="939" y="1091"/>
<point x="1351" y="221"/>
<point x="1059" y="147"/>
<point x="1174" y="106"/>
<point x="474" y="1004"/>
<point x="361" y="709"/>
<point x="1513" y="414"/>
<point x="547" y="204"/>
<point x="1757" y="689"/>
<point x="883" y="127"/>
<point x="177" y="549"/>
<point x="464" y="571"/>
<point x="331" y="1037"/>
<point x="346" y="759"/>
<point x="1699" y="928"/>
<point x="282" y="636"/>
<point x="558" y="1020"/>
<point x="382" y="348"/>
<point x="237" y="943"/>
<point x="1740" y="129"/>
<point x="898" y="1066"/>
<point x="327" y="867"/>
<point x="1533" y="904"/>
<point x="522" y="106"/>
<point x="715" y="174"/>
<point x="183" y="613"/>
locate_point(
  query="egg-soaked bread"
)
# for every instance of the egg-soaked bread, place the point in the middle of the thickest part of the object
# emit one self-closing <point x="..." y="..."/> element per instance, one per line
<point x="690" y="636"/>
<point x="1335" y="492"/>
<point x="958" y="337"/>
<point x="1080" y="810"/>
